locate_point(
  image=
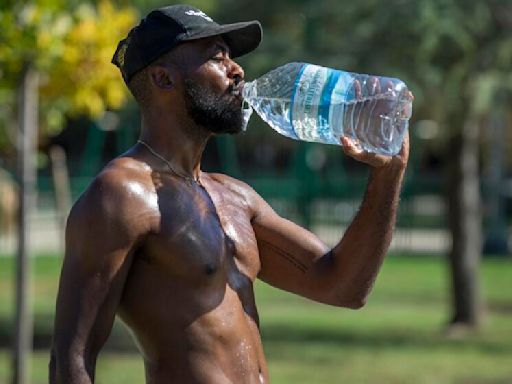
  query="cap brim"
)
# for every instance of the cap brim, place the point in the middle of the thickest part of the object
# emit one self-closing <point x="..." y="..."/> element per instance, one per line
<point x="241" y="38"/>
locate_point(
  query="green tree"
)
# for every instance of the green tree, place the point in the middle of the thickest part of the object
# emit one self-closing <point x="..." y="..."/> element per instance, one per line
<point x="71" y="47"/>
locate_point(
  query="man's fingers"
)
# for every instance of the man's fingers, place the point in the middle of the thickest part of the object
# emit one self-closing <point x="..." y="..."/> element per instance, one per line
<point x="389" y="88"/>
<point x="350" y="148"/>
<point x="404" y="151"/>
<point x="357" y="90"/>
<point x="377" y="86"/>
<point x="371" y="85"/>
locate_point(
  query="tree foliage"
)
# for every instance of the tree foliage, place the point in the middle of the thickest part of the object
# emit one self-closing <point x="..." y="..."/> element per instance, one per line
<point x="454" y="54"/>
<point x="71" y="48"/>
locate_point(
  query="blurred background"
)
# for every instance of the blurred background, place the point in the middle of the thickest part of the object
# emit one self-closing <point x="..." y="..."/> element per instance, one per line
<point x="441" y="310"/>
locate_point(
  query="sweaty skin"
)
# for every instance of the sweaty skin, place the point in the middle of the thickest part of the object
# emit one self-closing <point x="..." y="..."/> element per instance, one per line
<point x="177" y="261"/>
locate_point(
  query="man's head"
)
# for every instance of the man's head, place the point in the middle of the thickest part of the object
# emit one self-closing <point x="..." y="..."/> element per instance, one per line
<point x="180" y="53"/>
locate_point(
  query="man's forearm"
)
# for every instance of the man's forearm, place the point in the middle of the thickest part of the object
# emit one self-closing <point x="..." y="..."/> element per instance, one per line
<point x="359" y="255"/>
<point x="65" y="373"/>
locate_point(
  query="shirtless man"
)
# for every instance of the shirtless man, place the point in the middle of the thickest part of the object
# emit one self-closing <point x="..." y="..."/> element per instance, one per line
<point x="175" y="251"/>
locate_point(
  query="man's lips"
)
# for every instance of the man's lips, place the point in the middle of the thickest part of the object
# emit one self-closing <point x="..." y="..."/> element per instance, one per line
<point x="235" y="91"/>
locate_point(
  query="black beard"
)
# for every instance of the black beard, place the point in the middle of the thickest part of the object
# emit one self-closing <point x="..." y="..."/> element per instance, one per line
<point x="216" y="113"/>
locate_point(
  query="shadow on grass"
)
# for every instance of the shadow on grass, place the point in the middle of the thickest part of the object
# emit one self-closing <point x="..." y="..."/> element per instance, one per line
<point x="389" y="339"/>
<point x="120" y="339"/>
<point x="502" y="308"/>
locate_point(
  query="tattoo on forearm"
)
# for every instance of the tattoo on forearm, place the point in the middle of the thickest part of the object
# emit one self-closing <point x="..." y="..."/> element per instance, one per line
<point x="285" y="255"/>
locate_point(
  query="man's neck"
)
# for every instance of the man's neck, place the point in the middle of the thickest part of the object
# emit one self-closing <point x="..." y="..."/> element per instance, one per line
<point x="181" y="142"/>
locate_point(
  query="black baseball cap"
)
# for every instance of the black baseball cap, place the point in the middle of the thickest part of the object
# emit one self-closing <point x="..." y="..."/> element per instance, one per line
<point x="164" y="28"/>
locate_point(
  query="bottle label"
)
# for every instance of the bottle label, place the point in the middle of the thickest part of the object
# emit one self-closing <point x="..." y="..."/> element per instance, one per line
<point x="317" y="103"/>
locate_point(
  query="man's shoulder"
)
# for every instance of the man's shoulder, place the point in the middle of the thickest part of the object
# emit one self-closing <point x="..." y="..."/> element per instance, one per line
<point x="239" y="188"/>
<point x="232" y="184"/>
<point x="124" y="186"/>
<point x="120" y="177"/>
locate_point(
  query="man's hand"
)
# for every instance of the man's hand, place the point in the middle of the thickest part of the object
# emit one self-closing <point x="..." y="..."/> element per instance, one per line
<point x="374" y="160"/>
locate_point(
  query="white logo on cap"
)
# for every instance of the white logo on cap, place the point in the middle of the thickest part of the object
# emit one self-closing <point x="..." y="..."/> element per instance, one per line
<point x="200" y="14"/>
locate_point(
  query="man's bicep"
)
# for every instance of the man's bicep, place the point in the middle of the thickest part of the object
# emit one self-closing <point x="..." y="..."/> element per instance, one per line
<point x="292" y="257"/>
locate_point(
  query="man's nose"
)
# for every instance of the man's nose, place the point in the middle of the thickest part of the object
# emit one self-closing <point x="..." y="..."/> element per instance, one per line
<point x="235" y="70"/>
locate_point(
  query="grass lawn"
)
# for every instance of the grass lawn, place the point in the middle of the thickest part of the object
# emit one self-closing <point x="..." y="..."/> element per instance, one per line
<point x="397" y="338"/>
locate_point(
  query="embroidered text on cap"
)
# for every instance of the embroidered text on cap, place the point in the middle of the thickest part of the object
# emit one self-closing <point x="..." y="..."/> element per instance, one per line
<point x="200" y="14"/>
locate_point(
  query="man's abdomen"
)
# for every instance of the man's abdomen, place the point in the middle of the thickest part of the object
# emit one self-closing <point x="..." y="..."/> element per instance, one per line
<point x="192" y="331"/>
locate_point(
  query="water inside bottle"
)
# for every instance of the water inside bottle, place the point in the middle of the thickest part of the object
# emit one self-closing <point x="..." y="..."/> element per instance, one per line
<point x="275" y="111"/>
<point x="312" y="103"/>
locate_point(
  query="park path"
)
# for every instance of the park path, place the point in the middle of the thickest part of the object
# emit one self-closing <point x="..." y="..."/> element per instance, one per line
<point x="46" y="237"/>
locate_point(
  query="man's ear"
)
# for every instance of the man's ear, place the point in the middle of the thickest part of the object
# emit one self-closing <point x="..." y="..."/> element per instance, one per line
<point x="161" y="77"/>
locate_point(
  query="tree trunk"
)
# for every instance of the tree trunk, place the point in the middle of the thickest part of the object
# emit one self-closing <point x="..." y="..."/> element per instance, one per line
<point x="465" y="225"/>
<point x="27" y="136"/>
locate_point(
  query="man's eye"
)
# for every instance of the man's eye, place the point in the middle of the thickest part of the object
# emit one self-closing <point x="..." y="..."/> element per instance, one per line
<point x="218" y="58"/>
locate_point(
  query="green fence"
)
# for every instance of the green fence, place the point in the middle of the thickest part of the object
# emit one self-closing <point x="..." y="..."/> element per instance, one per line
<point x="317" y="187"/>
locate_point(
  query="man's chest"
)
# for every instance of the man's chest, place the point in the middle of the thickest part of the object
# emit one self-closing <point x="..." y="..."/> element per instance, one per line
<point x="204" y="232"/>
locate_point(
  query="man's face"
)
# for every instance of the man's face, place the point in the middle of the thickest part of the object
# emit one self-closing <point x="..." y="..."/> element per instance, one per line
<point x="210" y="83"/>
<point x="217" y="112"/>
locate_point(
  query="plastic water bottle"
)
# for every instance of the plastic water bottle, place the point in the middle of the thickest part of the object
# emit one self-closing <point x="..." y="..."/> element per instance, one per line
<point x="312" y="103"/>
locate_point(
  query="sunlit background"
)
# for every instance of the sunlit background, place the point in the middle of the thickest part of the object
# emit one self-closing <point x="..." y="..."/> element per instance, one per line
<point x="441" y="310"/>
